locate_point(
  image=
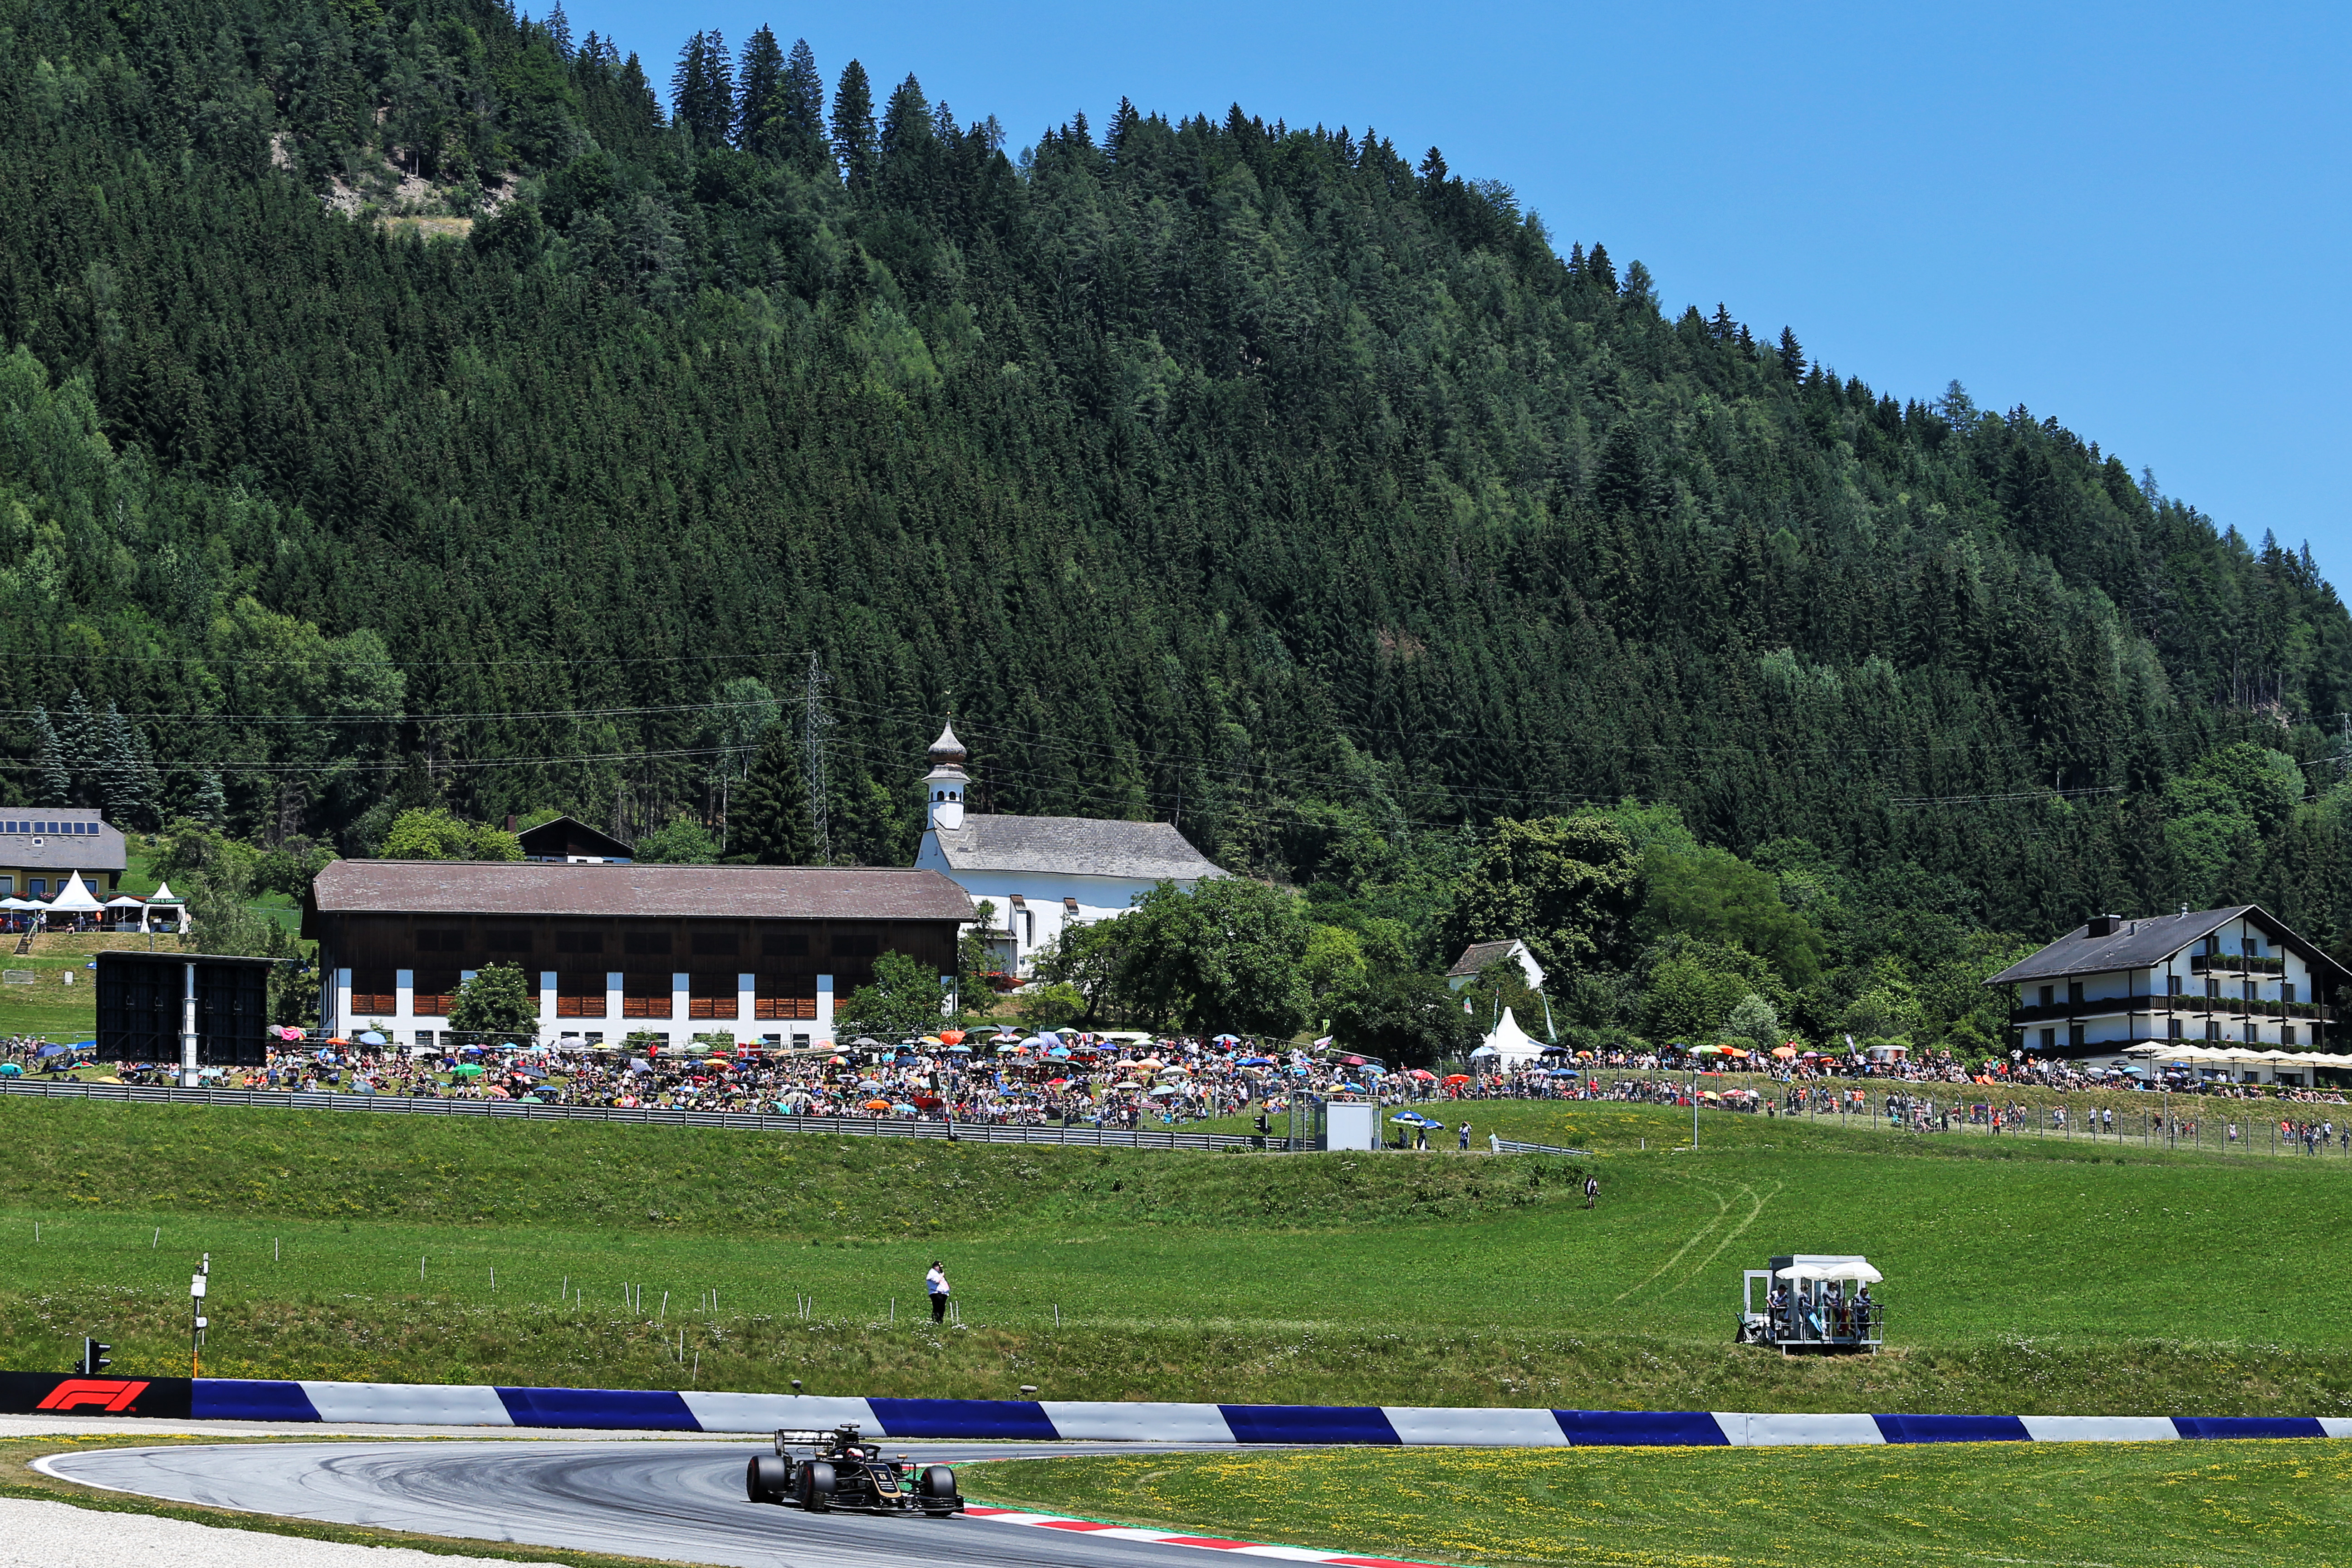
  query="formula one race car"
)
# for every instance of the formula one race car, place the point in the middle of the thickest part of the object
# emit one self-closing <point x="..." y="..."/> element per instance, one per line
<point x="844" y="1470"/>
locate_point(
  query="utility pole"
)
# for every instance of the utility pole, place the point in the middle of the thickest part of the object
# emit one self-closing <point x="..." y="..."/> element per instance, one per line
<point x="813" y="739"/>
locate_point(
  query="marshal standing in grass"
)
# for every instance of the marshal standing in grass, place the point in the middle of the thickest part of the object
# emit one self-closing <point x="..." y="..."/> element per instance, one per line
<point x="936" y="1282"/>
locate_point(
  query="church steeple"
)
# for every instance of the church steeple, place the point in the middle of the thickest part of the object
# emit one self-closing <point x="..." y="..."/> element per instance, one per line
<point x="944" y="785"/>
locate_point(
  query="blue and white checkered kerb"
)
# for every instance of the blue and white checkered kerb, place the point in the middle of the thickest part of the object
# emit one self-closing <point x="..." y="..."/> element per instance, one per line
<point x="1049" y="1420"/>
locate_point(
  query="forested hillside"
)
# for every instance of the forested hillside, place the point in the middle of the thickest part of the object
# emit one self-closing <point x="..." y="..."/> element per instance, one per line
<point x="1271" y="480"/>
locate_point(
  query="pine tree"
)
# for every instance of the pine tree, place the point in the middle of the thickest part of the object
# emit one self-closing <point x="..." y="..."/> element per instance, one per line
<point x="906" y="137"/>
<point x="121" y="778"/>
<point x="802" y="142"/>
<point x="210" y="804"/>
<point x="56" y="784"/>
<point x="759" y="95"/>
<point x="78" y="747"/>
<point x="768" y="819"/>
<point x="702" y="91"/>
<point x="1123" y="122"/>
<point x="853" y="126"/>
<point x="1600" y="269"/>
<point x="1793" y="354"/>
<point x="559" y="29"/>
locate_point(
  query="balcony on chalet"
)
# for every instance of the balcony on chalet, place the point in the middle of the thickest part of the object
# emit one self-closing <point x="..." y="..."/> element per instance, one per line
<point x="2187" y="1006"/>
<point x="2234" y="963"/>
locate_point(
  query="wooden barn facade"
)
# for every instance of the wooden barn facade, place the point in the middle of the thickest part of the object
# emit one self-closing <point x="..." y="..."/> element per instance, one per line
<point x="614" y="950"/>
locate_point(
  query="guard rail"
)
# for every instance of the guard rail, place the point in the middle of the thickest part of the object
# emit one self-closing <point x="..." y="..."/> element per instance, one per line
<point x="741" y="1121"/>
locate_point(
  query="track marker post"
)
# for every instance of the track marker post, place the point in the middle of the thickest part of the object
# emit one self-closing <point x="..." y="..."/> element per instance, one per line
<point x="197" y="1321"/>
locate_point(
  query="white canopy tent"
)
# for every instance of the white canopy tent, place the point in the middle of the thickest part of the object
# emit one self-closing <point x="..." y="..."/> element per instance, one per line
<point x="1509" y="1046"/>
<point x="74" y="898"/>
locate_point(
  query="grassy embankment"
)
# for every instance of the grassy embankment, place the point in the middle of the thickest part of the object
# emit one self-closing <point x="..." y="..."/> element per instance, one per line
<point x="2021" y="1277"/>
<point x="2136" y="1505"/>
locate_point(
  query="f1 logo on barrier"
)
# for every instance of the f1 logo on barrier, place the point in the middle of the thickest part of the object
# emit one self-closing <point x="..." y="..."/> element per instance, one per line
<point x="112" y="1394"/>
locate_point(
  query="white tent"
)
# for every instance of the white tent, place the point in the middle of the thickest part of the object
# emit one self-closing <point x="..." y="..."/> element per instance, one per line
<point x="74" y="898"/>
<point x="1509" y="1046"/>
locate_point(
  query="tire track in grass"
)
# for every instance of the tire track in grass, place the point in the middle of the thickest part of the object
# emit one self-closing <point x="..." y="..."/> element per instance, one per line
<point x="1755" y="1211"/>
<point x="1722" y="1208"/>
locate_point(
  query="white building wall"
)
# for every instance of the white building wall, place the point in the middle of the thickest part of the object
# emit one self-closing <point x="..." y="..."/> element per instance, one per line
<point x="1044" y="915"/>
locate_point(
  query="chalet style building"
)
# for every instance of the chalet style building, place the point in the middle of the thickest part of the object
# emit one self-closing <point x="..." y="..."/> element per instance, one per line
<point x="1043" y="874"/>
<point x="44" y="848"/>
<point x="618" y="949"/>
<point x="2234" y="974"/>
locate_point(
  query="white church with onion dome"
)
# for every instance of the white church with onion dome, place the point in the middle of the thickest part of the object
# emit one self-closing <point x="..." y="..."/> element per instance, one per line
<point x="1042" y="874"/>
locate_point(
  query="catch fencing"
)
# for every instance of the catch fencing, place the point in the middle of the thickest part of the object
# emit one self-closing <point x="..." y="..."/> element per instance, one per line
<point x="739" y="1121"/>
<point x="2214" y="1124"/>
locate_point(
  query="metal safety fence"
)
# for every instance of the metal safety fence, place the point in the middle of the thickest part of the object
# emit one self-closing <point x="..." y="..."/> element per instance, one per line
<point x="2150" y="1119"/>
<point x="740" y="1121"/>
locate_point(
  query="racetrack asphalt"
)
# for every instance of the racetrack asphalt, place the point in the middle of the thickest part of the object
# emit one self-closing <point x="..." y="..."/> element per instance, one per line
<point x="679" y="1501"/>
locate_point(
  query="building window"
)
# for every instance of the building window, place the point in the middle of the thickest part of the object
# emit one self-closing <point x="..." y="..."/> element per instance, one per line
<point x="2287" y="1034"/>
<point x="2286" y="990"/>
<point x="2172" y="985"/>
<point x="7" y="887"/>
<point x="440" y="942"/>
<point x="2048" y="1039"/>
<point x="1028" y="928"/>
<point x="2172" y="1028"/>
<point x="845" y="945"/>
<point x="715" y="944"/>
<point x="2074" y="1037"/>
<point x="510" y="941"/>
<point x="2212" y="988"/>
<point x="647" y="942"/>
<point x="2074" y="992"/>
<point x="2049" y="994"/>
<point x="580" y="993"/>
<point x="39" y="885"/>
<point x="580" y="942"/>
<point x="645" y="995"/>
<point x="2212" y="1028"/>
<point x="375" y="992"/>
<point x="783" y="996"/>
<point x="710" y="996"/>
<point x="794" y="946"/>
<point x="435" y="990"/>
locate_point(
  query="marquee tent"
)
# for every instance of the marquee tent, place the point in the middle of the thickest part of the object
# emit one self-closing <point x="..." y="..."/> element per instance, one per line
<point x="1509" y="1046"/>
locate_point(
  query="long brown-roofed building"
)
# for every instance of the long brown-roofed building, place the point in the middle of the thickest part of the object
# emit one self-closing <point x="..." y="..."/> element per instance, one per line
<point x="614" y="950"/>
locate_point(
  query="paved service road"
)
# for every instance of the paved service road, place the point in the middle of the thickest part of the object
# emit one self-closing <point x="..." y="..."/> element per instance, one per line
<point x="672" y="1500"/>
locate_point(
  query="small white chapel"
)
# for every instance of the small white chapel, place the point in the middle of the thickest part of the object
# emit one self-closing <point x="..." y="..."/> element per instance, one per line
<point x="1043" y="873"/>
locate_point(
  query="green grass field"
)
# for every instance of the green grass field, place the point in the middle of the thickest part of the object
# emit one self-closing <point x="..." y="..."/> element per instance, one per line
<point x="2141" y="1505"/>
<point x="2021" y="1276"/>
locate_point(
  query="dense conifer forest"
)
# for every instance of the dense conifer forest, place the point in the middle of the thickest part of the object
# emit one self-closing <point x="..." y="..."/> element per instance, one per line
<point x="405" y="403"/>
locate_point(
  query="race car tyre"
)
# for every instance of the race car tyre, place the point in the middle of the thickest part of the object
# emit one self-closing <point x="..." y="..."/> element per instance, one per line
<point x="766" y="1478"/>
<point x="816" y="1486"/>
<point x="938" y="1483"/>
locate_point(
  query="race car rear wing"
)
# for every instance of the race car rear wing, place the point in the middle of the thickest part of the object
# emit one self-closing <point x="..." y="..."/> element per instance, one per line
<point x="815" y="1438"/>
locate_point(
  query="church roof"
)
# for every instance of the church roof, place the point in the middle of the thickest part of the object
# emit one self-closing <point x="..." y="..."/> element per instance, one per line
<point x="1073" y="846"/>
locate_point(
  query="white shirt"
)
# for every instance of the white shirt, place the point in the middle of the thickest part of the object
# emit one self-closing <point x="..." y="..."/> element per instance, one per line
<point x="936" y="1282"/>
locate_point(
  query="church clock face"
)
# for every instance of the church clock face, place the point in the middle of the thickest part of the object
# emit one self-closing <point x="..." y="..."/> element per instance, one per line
<point x="948" y="814"/>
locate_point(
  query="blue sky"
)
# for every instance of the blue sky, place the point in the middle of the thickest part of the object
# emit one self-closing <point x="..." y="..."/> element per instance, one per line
<point x="2131" y="218"/>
